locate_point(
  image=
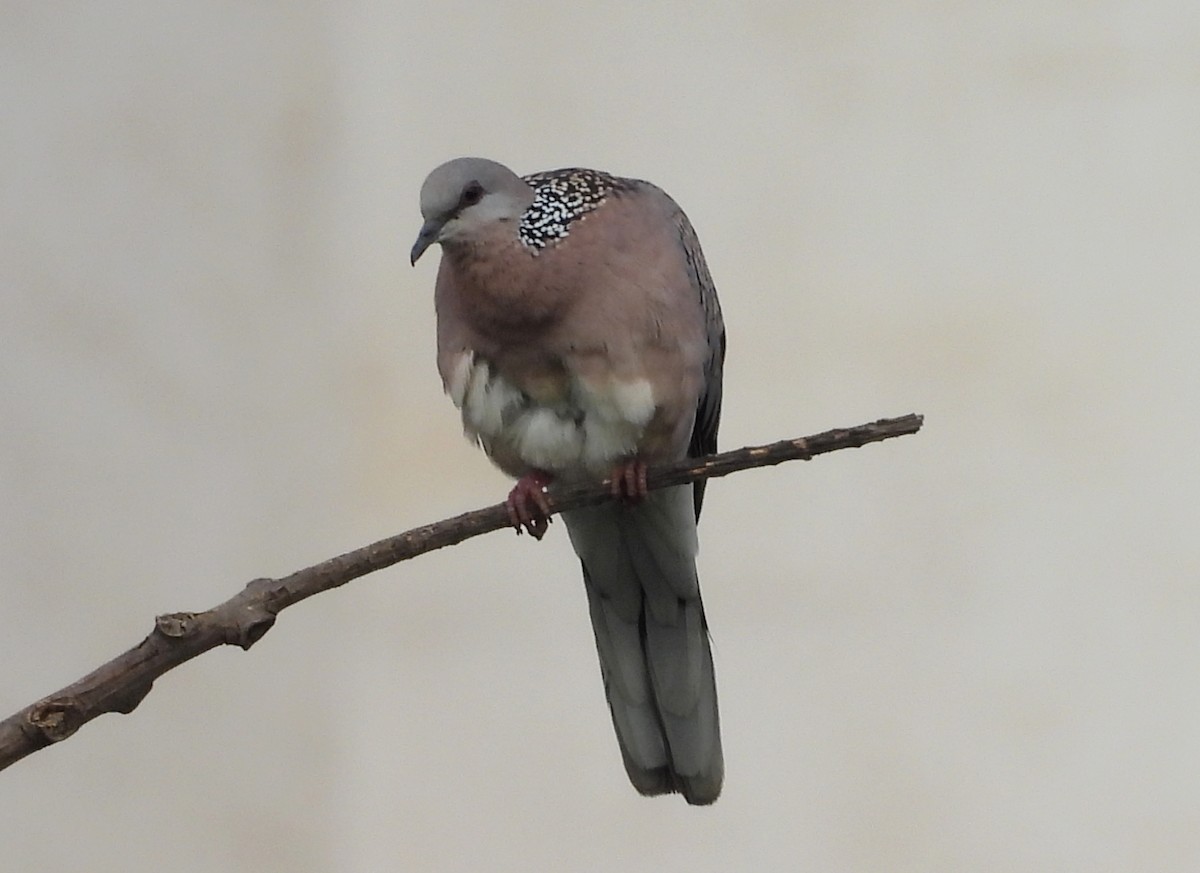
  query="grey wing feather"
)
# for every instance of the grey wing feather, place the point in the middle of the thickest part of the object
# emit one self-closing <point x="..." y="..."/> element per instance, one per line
<point x="708" y="410"/>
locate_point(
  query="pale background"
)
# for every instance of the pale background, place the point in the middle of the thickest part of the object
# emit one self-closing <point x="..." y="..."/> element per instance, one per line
<point x="976" y="649"/>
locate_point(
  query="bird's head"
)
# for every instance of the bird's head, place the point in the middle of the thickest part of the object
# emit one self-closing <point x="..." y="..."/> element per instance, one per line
<point x="466" y="195"/>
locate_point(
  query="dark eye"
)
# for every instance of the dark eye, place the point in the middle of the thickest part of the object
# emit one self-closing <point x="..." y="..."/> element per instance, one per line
<point x="472" y="194"/>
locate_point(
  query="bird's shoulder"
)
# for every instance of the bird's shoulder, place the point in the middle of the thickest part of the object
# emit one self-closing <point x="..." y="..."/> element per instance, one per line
<point x="564" y="197"/>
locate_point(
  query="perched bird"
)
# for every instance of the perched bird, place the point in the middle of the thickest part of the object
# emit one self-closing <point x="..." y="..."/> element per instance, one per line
<point x="579" y="334"/>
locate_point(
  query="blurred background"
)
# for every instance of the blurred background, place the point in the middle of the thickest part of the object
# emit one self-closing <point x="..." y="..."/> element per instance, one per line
<point x="971" y="649"/>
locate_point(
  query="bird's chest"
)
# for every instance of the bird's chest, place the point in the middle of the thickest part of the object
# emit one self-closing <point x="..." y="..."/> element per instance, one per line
<point x="543" y="413"/>
<point x="506" y="292"/>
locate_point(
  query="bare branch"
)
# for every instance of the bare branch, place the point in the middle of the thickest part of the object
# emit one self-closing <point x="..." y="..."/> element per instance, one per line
<point x="120" y="684"/>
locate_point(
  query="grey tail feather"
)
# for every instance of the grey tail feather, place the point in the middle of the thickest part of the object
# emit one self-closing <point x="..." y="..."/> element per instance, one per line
<point x="652" y="639"/>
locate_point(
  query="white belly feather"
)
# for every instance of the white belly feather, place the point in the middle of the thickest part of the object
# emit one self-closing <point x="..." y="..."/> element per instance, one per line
<point x="595" y="426"/>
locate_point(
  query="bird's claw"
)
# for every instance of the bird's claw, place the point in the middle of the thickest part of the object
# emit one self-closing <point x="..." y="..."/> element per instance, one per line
<point x="528" y="504"/>
<point x="628" y="482"/>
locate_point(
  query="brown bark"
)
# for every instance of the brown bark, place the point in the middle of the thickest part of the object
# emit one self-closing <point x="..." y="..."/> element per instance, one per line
<point x="120" y="684"/>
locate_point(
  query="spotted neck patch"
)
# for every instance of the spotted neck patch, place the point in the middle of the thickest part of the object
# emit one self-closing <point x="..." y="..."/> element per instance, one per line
<point x="562" y="197"/>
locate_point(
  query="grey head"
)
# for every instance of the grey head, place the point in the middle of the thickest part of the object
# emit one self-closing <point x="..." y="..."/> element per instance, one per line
<point x="466" y="195"/>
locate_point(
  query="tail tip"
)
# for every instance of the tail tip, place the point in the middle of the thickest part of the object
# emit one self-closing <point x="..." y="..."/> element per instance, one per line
<point x="702" y="790"/>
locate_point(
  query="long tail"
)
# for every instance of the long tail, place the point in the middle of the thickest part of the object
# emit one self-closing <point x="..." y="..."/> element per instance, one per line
<point x="639" y="567"/>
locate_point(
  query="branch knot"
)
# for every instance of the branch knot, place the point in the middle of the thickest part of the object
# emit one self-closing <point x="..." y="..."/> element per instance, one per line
<point x="56" y="718"/>
<point x="176" y="625"/>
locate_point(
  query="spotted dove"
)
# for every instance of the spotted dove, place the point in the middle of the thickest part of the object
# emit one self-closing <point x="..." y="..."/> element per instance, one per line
<point x="579" y="334"/>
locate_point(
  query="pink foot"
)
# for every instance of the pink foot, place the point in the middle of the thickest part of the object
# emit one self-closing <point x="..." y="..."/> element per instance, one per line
<point x="530" y="489"/>
<point x="629" y="482"/>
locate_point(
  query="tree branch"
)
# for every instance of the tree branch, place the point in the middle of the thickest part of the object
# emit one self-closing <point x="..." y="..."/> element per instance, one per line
<point x="120" y="684"/>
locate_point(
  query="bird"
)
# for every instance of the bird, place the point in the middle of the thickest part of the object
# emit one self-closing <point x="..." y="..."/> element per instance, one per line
<point x="580" y="336"/>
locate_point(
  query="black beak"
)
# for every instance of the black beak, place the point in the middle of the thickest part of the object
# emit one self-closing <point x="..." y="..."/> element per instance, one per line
<point x="427" y="237"/>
